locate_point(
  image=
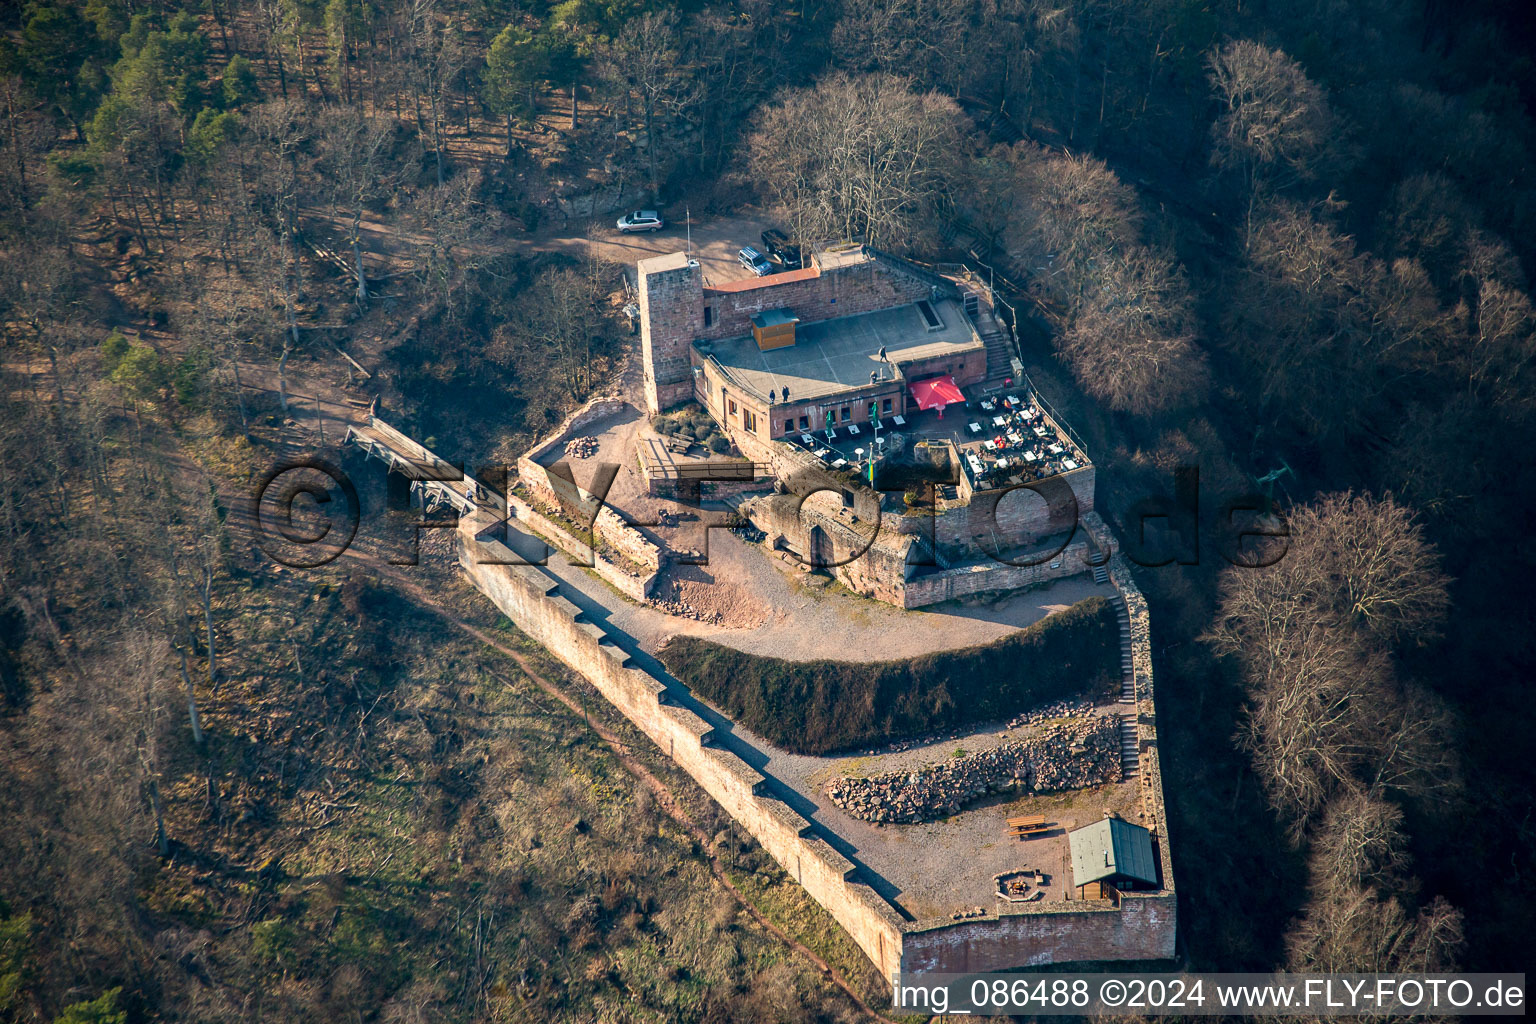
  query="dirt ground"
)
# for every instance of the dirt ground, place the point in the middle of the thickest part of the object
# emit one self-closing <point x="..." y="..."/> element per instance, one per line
<point x="715" y="242"/>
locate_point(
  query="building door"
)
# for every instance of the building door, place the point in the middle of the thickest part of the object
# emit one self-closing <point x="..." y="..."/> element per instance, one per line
<point x="820" y="548"/>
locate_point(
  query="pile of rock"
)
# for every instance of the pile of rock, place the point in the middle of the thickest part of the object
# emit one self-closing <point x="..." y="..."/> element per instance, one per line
<point x="581" y="447"/>
<point x="1048" y="712"/>
<point x="1070" y="756"/>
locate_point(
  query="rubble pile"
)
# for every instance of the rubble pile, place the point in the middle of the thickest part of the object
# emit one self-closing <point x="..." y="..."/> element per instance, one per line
<point x="1046" y="712"/>
<point x="581" y="447"/>
<point x="1070" y="756"/>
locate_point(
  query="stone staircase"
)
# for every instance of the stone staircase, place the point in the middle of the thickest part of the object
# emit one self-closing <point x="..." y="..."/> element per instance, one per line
<point x="1100" y="575"/>
<point x="1130" y="755"/>
<point x="999" y="354"/>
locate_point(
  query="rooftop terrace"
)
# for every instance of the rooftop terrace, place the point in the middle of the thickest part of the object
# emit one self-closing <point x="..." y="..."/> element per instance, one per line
<point x="833" y="356"/>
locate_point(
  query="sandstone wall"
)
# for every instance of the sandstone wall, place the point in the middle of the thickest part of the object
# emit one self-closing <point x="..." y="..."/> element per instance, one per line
<point x="636" y="588"/>
<point x="1142" y="928"/>
<point x="844" y="291"/>
<point x="529" y="597"/>
<point x="989" y="575"/>
<point x="608" y="527"/>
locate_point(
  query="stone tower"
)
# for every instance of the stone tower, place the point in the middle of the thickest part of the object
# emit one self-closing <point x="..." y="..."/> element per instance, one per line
<point x="671" y="317"/>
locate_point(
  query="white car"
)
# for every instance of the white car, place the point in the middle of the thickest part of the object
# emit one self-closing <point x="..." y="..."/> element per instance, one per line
<point x="641" y="220"/>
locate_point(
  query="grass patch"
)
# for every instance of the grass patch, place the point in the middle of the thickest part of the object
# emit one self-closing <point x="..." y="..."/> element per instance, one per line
<point x="815" y="707"/>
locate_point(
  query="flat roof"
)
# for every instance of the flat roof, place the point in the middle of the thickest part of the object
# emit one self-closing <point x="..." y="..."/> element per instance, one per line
<point x="833" y="356"/>
<point x="774" y="318"/>
<point x="656" y="264"/>
<point x="1112" y="848"/>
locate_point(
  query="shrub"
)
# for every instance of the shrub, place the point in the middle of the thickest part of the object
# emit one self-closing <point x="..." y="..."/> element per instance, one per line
<point x="814" y="707"/>
<point x="719" y="445"/>
<point x="113" y="347"/>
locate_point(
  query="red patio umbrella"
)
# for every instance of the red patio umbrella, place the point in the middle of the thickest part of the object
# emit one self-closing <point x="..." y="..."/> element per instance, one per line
<point x="936" y="393"/>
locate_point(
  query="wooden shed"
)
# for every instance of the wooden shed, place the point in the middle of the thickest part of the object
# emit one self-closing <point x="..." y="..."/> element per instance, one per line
<point x="774" y="328"/>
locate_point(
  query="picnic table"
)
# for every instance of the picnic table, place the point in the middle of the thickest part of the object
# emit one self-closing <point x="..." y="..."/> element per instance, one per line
<point x="1027" y="825"/>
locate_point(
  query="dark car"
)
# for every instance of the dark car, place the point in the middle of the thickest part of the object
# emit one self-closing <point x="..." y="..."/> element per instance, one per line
<point x="779" y="249"/>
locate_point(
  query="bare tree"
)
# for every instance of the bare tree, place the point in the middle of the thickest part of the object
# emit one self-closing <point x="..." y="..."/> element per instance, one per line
<point x="1325" y="715"/>
<point x="646" y="55"/>
<point x="859" y="158"/>
<point x="1132" y="343"/>
<point x="1358" y="930"/>
<point x="1275" y="124"/>
<point x="1360" y="841"/>
<point x="356" y="172"/>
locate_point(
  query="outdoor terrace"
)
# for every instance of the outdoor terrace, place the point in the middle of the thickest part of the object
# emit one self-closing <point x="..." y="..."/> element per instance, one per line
<point x="1003" y="439"/>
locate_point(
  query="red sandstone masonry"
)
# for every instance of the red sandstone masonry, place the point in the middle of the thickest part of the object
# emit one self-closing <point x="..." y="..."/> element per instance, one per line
<point x="529" y="598"/>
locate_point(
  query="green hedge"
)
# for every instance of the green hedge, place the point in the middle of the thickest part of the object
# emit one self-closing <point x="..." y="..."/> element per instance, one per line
<point x="814" y="707"/>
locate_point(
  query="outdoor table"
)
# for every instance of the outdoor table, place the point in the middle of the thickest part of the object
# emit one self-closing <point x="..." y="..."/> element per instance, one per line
<point x="824" y="454"/>
<point x="998" y="421"/>
<point x="1014" y="400"/>
<point x="898" y="421"/>
<point x="807" y="440"/>
<point x="989" y="445"/>
<point x="988" y="405"/>
<point x="1069" y="463"/>
<point x="1002" y="463"/>
<point x="1039" y="431"/>
<point x="1031" y="457"/>
<point x="853" y="428"/>
<point x="975" y="428"/>
<point x="840" y="463"/>
<point x="1055" y="449"/>
<point x="1014" y="437"/>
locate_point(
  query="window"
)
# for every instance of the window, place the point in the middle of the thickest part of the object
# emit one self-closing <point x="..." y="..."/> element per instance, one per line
<point x="709" y="315"/>
<point x="887" y="406"/>
<point x="731" y="407"/>
<point x="845" y="414"/>
<point x="805" y="422"/>
<point x="789" y="425"/>
<point x="748" y="420"/>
